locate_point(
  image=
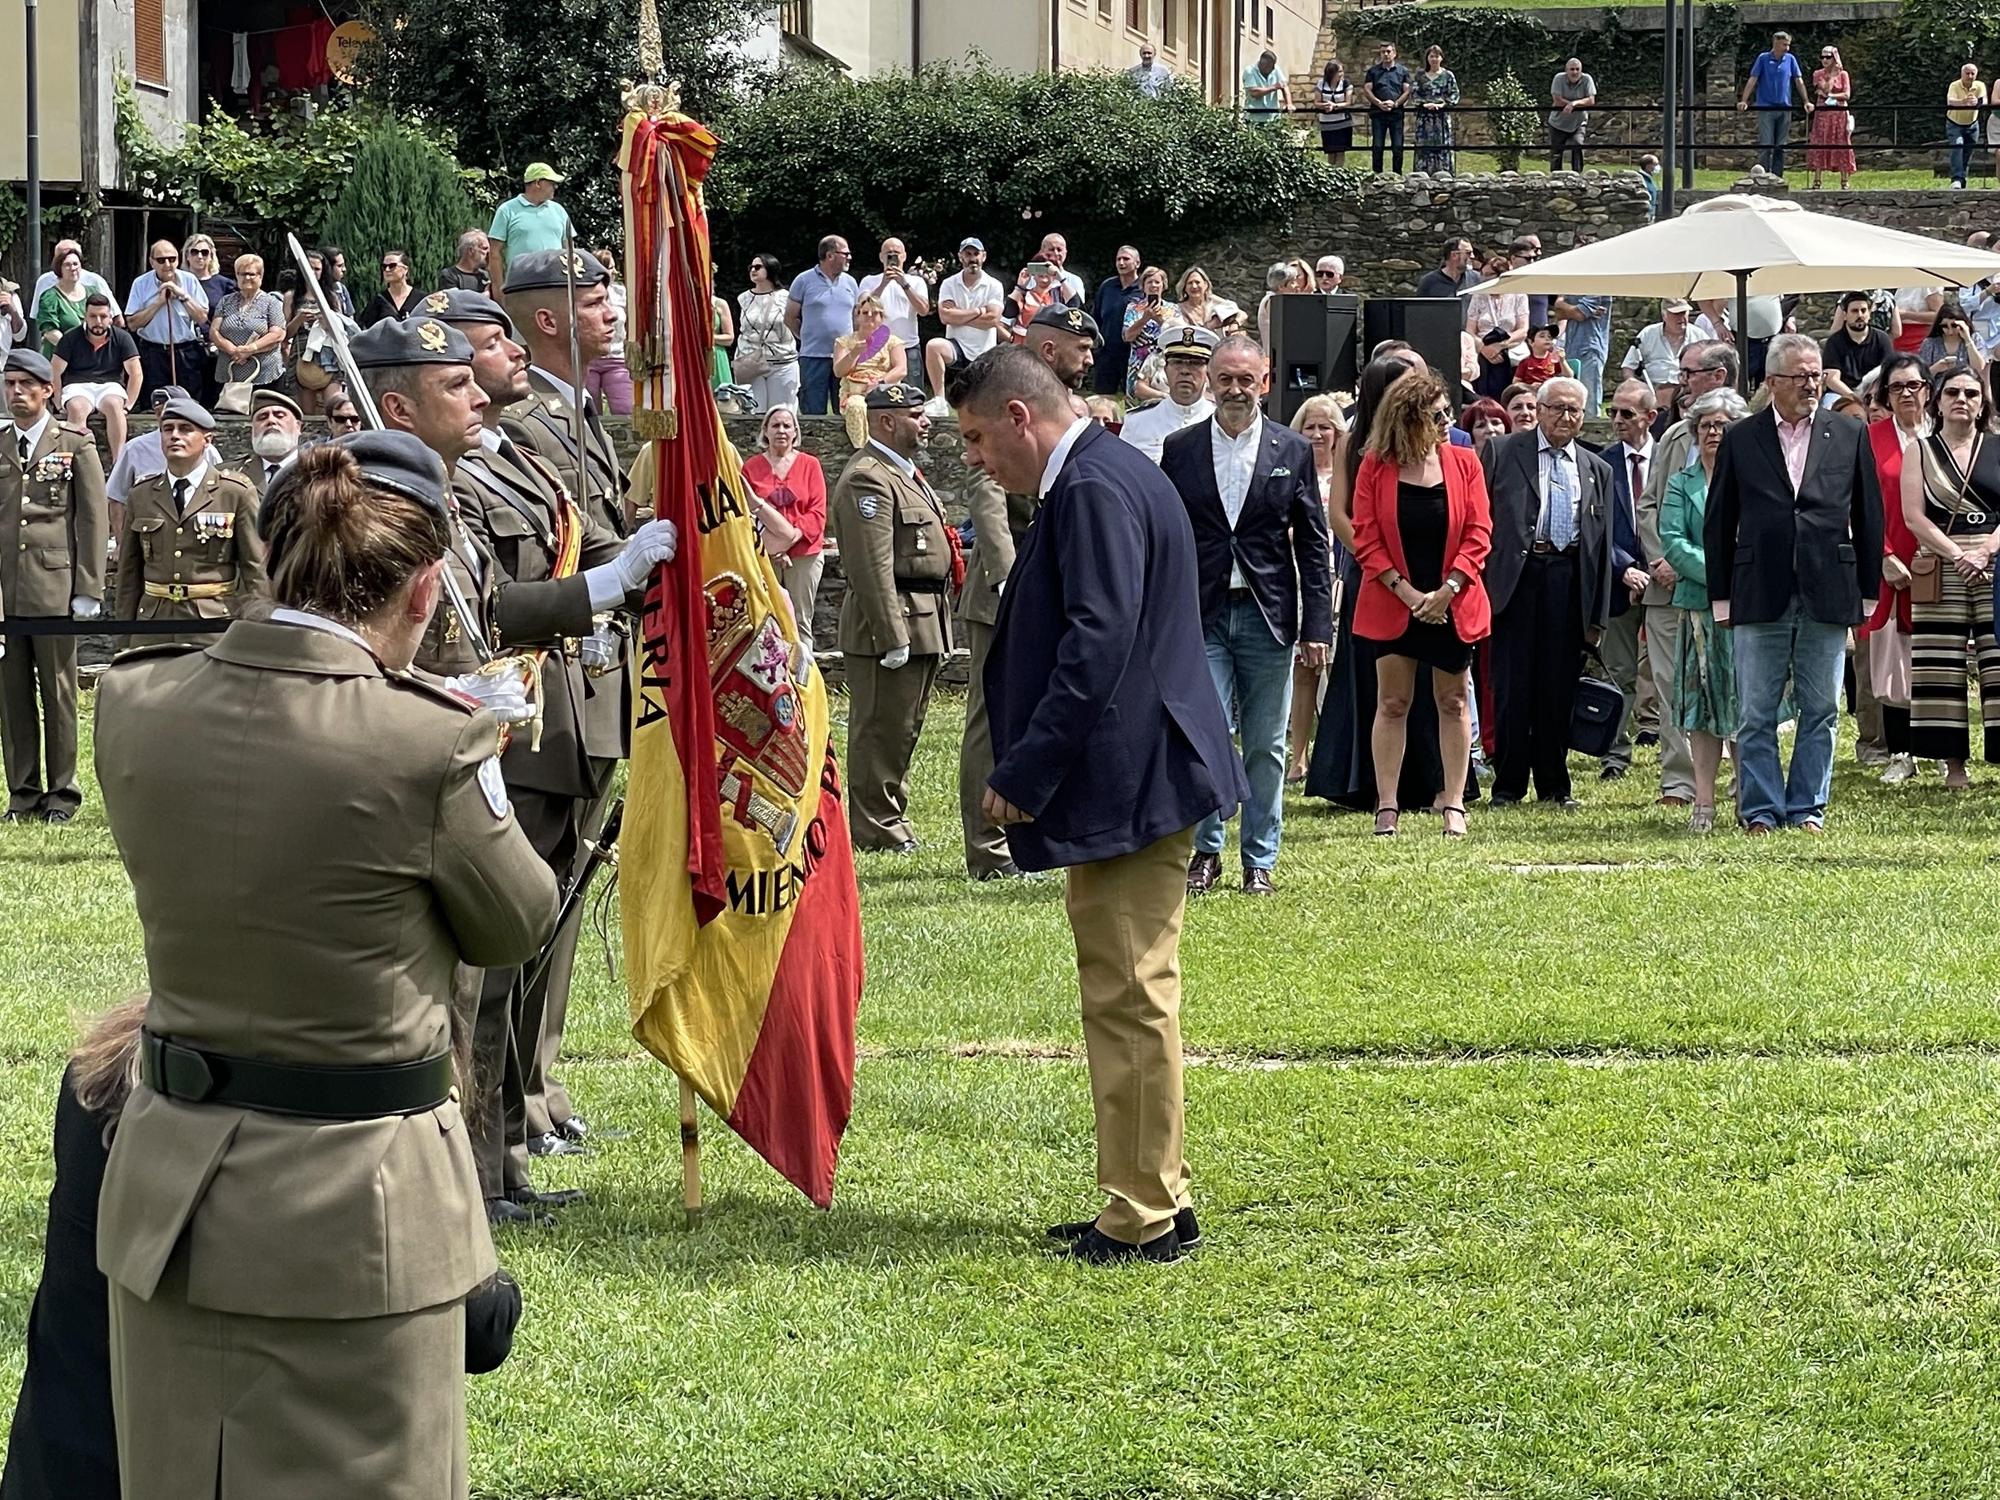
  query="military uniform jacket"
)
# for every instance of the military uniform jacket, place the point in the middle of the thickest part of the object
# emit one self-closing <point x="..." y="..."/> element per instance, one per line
<point x="315" y="845"/>
<point x="214" y="542"/>
<point x="999" y="521"/>
<point x="896" y="557"/>
<point x="447" y="649"/>
<point x="549" y="425"/>
<point x="510" y="500"/>
<point x="54" y="527"/>
<point x="253" y="469"/>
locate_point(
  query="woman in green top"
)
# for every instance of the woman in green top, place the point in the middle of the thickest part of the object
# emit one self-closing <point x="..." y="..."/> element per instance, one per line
<point x="61" y="306"/>
<point x="1705" y="689"/>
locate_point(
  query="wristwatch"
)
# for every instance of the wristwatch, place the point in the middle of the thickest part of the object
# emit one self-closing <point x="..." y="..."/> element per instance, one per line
<point x="1455" y="586"/>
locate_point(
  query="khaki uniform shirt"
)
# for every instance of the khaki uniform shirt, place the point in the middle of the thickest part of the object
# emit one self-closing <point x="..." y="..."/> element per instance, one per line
<point x="54" y="527"/>
<point x="363" y="849"/>
<point x="447" y="648"/>
<point x="896" y="557"/>
<point x="999" y="521"/>
<point x="214" y="543"/>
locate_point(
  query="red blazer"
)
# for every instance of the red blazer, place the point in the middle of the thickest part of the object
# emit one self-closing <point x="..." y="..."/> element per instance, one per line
<point x="1897" y="539"/>
<point x="1378" y="545"/>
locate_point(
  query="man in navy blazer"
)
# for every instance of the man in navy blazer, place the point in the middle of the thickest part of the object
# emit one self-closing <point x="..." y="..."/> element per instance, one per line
<point x="1632" y="407"/>
<point x="1266" y="583"/>
<point x="1793" y="545"/>
<point x="1550" y="578"/>
<point x="1108" y="747"/>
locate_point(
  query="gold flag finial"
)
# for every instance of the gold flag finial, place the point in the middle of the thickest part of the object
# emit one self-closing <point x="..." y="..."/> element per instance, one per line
<point x="651" y="59"/>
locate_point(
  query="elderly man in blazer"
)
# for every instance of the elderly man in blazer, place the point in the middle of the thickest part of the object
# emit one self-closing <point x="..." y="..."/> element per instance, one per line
<point x="1263" y="567"/>
<point x="1550" y="577"/>
<point x="1108" y="746"/>
<point x="1793" y="542"/>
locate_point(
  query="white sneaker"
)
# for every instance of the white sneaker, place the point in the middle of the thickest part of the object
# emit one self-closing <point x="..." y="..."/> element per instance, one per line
<point x="1901" y="768"/>
<point x="937" y="408"/>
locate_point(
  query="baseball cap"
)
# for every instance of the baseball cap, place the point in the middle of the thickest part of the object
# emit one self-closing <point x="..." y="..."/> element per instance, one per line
<point x="969" y="243"/>
<point x="1676" y="304"/>
<point x="541" y="171"/>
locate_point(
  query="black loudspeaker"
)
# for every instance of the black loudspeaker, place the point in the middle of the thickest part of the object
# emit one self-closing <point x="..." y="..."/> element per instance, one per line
<point x="1313" y="348"/>
<point x="1430" y="325"/>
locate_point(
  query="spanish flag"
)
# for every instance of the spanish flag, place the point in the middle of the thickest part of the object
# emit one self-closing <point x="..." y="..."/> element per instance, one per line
<point x="742" y="919"/>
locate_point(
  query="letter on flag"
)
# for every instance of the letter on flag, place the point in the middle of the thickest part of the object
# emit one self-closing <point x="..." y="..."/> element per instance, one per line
<point x="742" y="920"/>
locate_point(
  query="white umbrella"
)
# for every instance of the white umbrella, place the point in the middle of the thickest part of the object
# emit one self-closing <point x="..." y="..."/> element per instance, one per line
<point x="1743" y="246"/>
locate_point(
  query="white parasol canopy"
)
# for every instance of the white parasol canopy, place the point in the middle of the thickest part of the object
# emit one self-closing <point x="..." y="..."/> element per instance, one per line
<point x="1709" y="249"/>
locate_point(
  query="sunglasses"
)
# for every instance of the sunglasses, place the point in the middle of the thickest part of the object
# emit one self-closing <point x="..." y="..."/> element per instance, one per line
<point x="1625" y="413"/>
<point x="1961" y="393"/>
<point x="347" y="419"/>
<point x="392" y="265"/>
<point x="199" y="251"/>
<point x="166" y="260"/>
<point x="1441" y="417"/>
<point x="1326" y="275"/>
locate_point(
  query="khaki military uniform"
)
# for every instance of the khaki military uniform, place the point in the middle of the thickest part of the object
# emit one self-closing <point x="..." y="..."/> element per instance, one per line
<point x="446" y="649"/>
<point x="999" y="521"/>
<point x="511" y="501"/>
<point x="287" y="1293"/>
<point x="259" y="473"/>
<point x="54" y="534"/>
<point x="897" y="558"/>
<point x="203" y="563"/>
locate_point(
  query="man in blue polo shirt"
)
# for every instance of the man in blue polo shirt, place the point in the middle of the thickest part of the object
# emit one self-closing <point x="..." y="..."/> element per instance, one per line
<point x="819" y="309"/>
<point x="1774" y="77"/>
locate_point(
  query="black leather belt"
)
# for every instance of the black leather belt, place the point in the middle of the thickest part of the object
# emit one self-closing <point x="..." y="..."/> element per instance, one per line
<point x="920" y="585"/>
<point x="1550" y="549"/>
<point x="321" y="1093"/>
<point x="1242" y="593"/>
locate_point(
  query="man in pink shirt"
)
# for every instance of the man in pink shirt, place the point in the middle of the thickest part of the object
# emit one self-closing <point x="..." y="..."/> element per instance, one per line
<point x="1793" y="544"/>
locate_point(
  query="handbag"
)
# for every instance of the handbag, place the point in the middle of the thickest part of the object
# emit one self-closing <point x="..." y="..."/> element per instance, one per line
<point x="1596" y="716"/>
<point x="234" y="398"/>
<point x="1927" y="568"/>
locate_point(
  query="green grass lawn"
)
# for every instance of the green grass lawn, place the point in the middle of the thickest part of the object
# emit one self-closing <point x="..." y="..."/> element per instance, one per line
<point x="1677" y="1178"/>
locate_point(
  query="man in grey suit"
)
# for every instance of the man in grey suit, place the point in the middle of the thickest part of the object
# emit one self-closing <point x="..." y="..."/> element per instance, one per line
<point x="1550" y="580"/>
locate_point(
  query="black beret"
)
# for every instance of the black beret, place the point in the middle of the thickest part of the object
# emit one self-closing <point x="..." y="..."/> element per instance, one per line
<point x="27" y="362"/>
<point x="455" y="305"/>
<point x="399" y="461"/>
<point x="543" y="270"/>
<point x="895" y="395"/>
<point x="1069" y="320"/>
<point x="410" y="341"/>
<point x="187" y="409"/>
<point x="270" y="395"/>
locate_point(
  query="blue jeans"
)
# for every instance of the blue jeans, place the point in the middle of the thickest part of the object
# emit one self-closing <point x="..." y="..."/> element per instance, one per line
<point x="1773" y="125"/>
<point x="1962" y="139"/>
<point x="816" y="385"/>
<point x="1811" y="654"/>
<point x="1252" y="671"/>
<point x="1590" y="370"/>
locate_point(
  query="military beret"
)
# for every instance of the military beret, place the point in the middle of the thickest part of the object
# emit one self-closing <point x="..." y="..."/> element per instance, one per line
<point x="165" y="393"/>
<point x="187" y="409"/>
<point x="456" y="305"/>
<point x="1189" y="342"/>
<point x="545" y="270"/>
<point x="27" y="362"/>
<point x="272" y="396"/>
<point x="398" y="461"/>
<point x="896" y="395"/>
<point x="410" y="341"/>
<point x="1069" y="320"/>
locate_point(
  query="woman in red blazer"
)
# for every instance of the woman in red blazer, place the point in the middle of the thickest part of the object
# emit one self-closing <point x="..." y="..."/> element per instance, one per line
<point x="1422" y="529"/>
<point x="1882" y="645"/>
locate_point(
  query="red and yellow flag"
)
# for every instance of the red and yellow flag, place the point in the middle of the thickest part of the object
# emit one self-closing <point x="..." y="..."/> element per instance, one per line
<point x="742" y="920"/>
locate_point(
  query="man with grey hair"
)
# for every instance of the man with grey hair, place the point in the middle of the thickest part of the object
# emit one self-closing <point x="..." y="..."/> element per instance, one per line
<point x="468" y="273"/>
<point x="1703" y="368"/>
<point x="1571" y="93"/>
<point x="1792" y="543"/>
<point x="1550" y="579"/>
<point x="1328" y="273"/>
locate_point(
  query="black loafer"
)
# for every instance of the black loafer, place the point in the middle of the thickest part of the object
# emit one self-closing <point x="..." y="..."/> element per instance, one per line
<point x="1008" y="871"/>
<point x="528" y="1197"/>
<point x="553" y="1144"/>
<point x="58" y="815"/>
<point x="1098" y="1249"/>
<point x="908" y="846"/>
<point x="501" y="1211"/>
<point x="1184" y="1226"/>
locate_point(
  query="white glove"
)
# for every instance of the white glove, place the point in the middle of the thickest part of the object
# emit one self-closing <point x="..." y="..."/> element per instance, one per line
<point x="506" y="697"/>
<point x="900" y="657"/>
<point x="654" y="543"/>
<point x="85" y="609"/>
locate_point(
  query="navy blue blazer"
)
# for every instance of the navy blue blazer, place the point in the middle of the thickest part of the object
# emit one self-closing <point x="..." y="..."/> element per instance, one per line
<point x="1279" y="540"/>
<point x="1624" y="523"/>
<point x="1106" y="726"/>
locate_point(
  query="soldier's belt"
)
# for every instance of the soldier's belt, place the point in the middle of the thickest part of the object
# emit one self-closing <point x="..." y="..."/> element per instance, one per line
<point x="922" y="585"/>
<point x="180" y="593"/>
<point x="321" y="1093"/>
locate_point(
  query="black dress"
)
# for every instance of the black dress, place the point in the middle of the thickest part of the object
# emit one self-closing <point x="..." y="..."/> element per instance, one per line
<point x="1422" y="519"/>
<point x="63" y="1443"/>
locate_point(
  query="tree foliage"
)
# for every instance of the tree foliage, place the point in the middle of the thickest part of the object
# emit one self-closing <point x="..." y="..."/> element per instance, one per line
<point x="964" y="150"/>
<point x="403" y="193"/>
<point x="541" y="80"/>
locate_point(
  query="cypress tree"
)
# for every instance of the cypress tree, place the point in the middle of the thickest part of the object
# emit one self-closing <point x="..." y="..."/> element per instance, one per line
<point x="403" y="194"/>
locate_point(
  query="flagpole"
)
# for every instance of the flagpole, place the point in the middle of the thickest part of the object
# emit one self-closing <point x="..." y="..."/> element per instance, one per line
<point x="690" y="1154"/>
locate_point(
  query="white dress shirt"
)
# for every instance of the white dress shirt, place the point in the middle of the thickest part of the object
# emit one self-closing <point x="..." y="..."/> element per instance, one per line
<point x="1625" y="452"/>
<point x="1149" y="430"/>
<point x="193" y="477"/>
<point x="286" y="616"/>
<point x="1546" y="461"/>
<point x="907" y="466"/>
<point x="1235" y="464"/>
<point x="1060" y="456"/>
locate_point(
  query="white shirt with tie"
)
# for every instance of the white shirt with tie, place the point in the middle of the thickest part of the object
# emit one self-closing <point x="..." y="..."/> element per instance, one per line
<point x="1235" y="466"/>
<point x="182" y="498"/>
<point x="1548" y="455"/>
<point x="27" y="439"/>
<point x="1637" y="480"/>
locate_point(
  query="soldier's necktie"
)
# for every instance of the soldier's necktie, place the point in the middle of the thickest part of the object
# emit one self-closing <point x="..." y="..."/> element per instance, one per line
<point x="180" y="497"/>
<point x="22" y="440"/>
<point x="1562" y="501"/>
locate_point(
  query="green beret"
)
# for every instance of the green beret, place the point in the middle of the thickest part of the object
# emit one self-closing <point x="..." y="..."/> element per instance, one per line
<point x="410" y="341"/>
<point x="270" y="395"/>
<point x="546" y="270"/>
